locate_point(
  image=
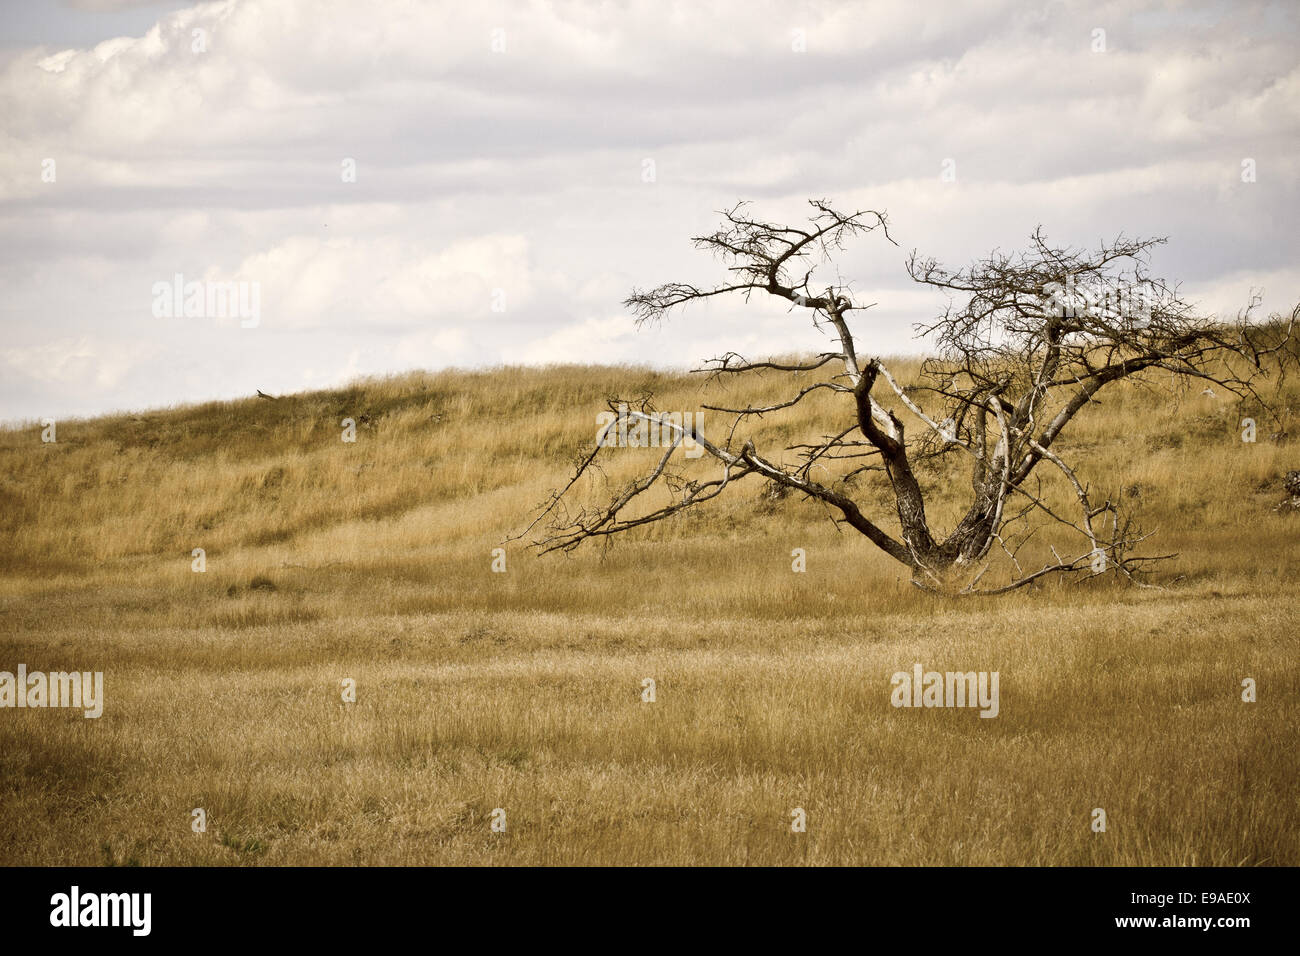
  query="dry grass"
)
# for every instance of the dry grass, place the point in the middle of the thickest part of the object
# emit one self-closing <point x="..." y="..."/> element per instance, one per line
<point x="522" y="690"/>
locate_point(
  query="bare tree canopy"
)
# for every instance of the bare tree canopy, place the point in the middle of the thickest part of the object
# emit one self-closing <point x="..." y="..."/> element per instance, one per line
<point x="1027" y="341"/>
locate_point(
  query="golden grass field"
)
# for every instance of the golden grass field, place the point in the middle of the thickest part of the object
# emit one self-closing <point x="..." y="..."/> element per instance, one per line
<point x="522" y="690"/>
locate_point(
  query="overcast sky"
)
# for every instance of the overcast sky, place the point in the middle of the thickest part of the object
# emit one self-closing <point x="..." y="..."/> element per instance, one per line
<point x="501" y="210"/>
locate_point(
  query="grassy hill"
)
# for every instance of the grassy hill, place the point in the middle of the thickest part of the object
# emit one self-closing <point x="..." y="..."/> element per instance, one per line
<point x="372" y="561"/>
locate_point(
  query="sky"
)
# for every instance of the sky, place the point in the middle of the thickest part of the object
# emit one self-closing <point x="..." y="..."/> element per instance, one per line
<point x="401" y="185"/>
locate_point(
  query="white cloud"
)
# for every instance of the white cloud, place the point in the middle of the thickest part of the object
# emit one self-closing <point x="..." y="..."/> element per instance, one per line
<point x="592" y="340"/>
<point x="521" y="171"/>
<point x="69" y="362"/>
<point x="308" y="282"/>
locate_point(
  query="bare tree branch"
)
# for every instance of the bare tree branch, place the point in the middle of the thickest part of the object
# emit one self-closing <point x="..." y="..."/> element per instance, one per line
<point x="1026" y="343"/>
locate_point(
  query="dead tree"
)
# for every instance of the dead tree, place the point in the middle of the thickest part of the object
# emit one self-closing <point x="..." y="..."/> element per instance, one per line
<point x="1027" y="342"/>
